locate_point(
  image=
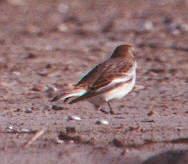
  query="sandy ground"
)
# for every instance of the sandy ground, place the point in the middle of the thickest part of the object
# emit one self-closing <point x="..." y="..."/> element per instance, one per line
<point x="47" y="46"/>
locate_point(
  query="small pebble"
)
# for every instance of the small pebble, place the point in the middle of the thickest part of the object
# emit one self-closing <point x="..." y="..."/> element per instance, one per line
<point x="125" y="151"/>
<point x="9" y="129"/>
<point x="55" y="107"/>
<point x="16" y="73"/>
<point x="74" y="118"/>
<point x="29" y="110"/>
<point x="32" y="29"/>
<point x="26" y="130"/>
<point x="39" y="88"/>
<point x="173" y="27"/>
<point x="59" y="141"/>
<point x="180" y="128"/>
<point x="62" y="27"/>
<point x="70" y="129"/>
<point x="67" y="138"/>
<point x="158" y="70"/>
<point x="148" y="25"/>
<point x="70" y="141"/>
<point x="148" y="120"/>
<point x="50" y="91"/>
<point x="102" y="122"/>
<point x="167" y="20"/>
<point x="151" y="113"/>
<point x="139" y="87"/>
<point x="31" y="55"/>
<point x="117" y="142"/>
<point x="17" y="110"/>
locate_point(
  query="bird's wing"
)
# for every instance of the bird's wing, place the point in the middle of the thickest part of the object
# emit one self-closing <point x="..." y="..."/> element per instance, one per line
<point x="88" y="80"/>
<point x="112" y="74"/>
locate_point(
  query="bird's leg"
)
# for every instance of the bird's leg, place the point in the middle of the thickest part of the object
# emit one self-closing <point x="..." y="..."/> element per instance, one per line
<point x="99" y="108"/>
<point x="111" y="110"/>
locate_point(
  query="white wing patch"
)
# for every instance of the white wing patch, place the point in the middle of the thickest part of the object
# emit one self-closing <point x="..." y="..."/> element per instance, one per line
<point x="115" y="82"/>
<point x="120" y="80"/>
<point x="76" y="93"/>
<point x="120" y="92"/>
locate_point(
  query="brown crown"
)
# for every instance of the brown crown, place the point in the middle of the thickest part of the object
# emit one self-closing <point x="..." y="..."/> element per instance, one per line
<point x="122" y="51"/>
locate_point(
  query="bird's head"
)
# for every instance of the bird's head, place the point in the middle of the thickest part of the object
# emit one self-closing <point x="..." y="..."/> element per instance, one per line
<point x="123" y="51"/>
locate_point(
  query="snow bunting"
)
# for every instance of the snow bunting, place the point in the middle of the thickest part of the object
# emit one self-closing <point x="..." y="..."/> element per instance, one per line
<point x="112" y="79"/>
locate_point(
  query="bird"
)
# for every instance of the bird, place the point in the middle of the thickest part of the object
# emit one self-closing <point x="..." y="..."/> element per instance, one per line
<point x="112" y="79"/>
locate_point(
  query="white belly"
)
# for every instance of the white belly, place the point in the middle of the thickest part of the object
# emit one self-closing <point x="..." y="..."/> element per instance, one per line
<point x="120" y="91"/>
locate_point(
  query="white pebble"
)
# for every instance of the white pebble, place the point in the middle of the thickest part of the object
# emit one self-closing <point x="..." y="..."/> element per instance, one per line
<point x="102" y="122"/>
<point x="9" y="129"/>
<point x="58" y="141"/>
<point x="74" y="118"/>
<point x="28" y="110"/>
<point x="148" y="25"/>
<point x="25" y="130"/>
<point x="62" y="27"/>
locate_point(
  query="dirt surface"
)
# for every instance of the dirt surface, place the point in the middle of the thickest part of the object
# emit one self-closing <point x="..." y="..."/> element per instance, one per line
<point x="47" y="46"/>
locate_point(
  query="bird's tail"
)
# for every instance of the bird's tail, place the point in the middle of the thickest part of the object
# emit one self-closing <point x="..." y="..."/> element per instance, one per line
<point x="66" y="96"/>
